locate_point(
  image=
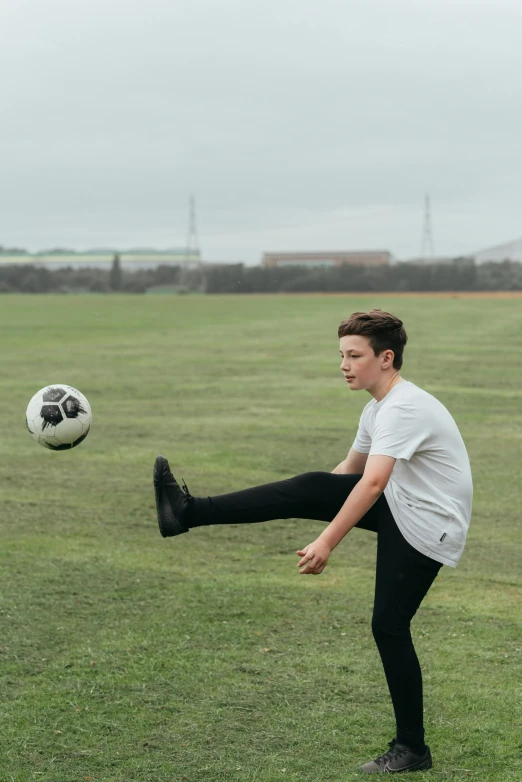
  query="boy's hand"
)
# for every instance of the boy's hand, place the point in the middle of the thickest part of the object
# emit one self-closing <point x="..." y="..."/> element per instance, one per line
<point x="314" y="557"/>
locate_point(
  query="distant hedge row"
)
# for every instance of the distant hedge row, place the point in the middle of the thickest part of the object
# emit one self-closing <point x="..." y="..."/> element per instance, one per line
<point x="460" y="275"/>
<point x="18" y="278"/>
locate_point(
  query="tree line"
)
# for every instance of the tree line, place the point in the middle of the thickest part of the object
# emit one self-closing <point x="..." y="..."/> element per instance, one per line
<point x="459" y="275"/>
<point x="22" y="278"/>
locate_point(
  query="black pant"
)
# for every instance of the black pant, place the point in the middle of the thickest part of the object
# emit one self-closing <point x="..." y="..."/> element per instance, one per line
<point x="403" y="574"/>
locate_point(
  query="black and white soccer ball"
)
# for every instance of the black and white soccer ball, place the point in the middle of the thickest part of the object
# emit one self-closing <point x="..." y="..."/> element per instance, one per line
<point x="59" y="417"/>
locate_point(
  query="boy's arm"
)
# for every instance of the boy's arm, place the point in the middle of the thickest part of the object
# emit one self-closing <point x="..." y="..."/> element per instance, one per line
<point x="359" y="501"/>
<point x="354" y="463"/>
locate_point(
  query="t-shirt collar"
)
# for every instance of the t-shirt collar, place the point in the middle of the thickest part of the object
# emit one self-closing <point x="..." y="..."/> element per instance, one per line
<point x="401" y="382"/>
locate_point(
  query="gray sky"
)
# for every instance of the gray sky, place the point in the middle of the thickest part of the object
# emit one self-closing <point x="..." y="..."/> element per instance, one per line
<point x="297" y="124"/>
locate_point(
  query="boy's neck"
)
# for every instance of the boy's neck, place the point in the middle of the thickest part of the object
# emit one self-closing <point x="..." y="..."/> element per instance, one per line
<point x="385" y="387"/>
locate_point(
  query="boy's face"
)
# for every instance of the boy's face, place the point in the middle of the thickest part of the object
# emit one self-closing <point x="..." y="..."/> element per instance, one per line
<point x="360" y="366"/>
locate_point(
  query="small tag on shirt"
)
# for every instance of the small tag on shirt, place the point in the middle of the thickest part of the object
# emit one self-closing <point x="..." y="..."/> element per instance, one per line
<point x="442" y="538"/>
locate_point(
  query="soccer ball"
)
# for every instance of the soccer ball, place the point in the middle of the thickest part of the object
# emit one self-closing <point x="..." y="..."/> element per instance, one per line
<point x="59" y="417"/>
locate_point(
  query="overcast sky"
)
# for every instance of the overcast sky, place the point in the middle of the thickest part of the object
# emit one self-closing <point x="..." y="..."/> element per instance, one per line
<point x="296" y="124"/>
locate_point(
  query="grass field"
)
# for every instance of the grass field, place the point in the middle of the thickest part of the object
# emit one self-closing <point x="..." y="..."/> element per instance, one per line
<point x="128" y="658"/>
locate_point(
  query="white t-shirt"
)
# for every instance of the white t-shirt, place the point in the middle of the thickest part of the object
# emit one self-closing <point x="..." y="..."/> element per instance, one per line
<point x="430" y="488"/>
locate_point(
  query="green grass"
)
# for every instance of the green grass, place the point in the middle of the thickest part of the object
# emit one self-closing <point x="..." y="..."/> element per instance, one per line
<point x="127" y="658"/>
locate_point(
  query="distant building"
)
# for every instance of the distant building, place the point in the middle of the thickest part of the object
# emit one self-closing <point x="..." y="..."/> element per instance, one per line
<point x="101" y="259"/>
<point x="323" y="258"/>
<point x="511" y="251"/>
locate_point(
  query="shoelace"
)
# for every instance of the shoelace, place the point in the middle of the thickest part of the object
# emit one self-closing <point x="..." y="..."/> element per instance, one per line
<point x="185" y="488"/>
<point x="393" y="752"/>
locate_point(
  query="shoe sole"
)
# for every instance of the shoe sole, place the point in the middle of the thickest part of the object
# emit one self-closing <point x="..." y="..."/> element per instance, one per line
<point x="167" y="521"/>
<point x="423" y="765"/>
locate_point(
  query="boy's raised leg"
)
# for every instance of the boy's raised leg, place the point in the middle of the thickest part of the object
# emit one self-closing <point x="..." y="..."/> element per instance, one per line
<point x="311" y="495"/>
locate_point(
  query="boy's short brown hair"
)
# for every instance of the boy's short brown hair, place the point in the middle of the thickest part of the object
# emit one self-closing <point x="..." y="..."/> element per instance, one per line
<point x="383" y="330"/>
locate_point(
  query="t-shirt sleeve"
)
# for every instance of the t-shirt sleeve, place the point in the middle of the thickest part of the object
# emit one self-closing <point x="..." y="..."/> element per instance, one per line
<point x="398" y="432"/>
<point x="363" y="441"/>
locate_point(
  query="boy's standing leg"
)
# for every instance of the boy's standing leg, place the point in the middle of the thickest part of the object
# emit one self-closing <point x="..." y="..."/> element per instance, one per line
<point x="403" y="577"/>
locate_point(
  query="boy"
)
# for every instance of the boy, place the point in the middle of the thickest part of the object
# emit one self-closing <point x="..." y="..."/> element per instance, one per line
<point x="407" y="477"/>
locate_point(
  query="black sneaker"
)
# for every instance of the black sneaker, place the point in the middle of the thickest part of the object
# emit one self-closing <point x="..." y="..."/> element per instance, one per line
<point x="398" y="759"/>
<point x="171" y="500"/>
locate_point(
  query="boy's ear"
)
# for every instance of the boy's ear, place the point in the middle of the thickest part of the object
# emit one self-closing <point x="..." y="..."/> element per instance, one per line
<point x="388" y="356"/>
